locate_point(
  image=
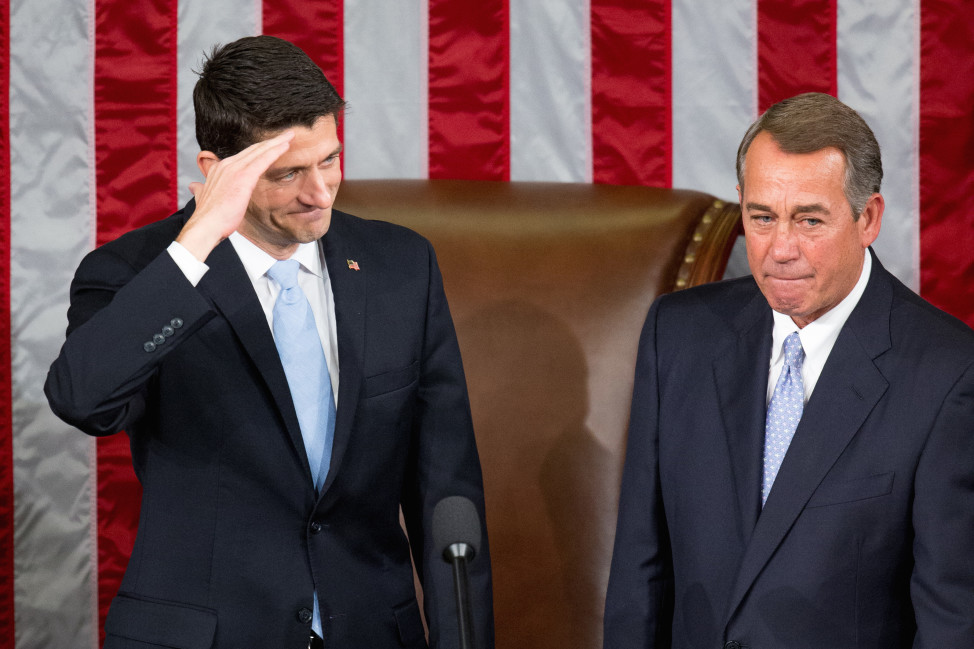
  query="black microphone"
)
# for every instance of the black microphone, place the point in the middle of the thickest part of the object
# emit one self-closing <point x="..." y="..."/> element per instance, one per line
<point x="456" y="536"/>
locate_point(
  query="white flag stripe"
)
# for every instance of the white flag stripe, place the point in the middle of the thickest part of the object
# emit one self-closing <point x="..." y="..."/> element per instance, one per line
<point x="202" y="25"/>
<point x="714" y="75"/>
<point x="52" y="227"/>
<point x="550" y="91"/>
<point x="878" y="74"/>
<point x="714" y="92"/>
<point x="385" y="52"/>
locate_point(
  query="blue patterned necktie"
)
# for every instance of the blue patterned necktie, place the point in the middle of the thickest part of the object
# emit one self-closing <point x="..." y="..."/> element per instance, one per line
<point x="784" y="412"/>
<point x="299" y="346"/>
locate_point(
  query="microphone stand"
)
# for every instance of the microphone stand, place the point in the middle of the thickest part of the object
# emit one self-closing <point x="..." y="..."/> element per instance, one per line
<point x="460" y="554"/>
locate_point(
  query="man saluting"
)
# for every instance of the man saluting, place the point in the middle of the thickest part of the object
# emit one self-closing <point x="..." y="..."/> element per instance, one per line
<point x="289" y="377"/>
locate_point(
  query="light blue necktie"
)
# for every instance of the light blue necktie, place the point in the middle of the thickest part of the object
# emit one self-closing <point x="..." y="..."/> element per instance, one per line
<point x="784" y="412"/>
<point x="299" y="346"/>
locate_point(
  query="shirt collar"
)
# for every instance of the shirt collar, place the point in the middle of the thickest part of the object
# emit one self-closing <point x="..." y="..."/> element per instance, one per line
<point x="257" y="262"/>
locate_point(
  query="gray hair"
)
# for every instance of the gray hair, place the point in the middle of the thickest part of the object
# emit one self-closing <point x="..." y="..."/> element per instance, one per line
<point x="814" y="121"/>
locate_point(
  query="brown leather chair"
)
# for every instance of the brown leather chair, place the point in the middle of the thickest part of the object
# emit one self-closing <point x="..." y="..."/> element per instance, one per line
<point x="549" y="285"/>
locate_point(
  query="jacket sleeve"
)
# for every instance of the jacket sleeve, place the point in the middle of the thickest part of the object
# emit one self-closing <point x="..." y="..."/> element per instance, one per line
<point x="942" y="583"/>
<point x="446" y="463"/>
<point x="638" y="605"/>
<point x="122" y="322"/>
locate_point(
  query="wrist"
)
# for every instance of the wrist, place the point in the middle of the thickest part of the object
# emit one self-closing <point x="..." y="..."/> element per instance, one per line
<point x="198" y="241"/>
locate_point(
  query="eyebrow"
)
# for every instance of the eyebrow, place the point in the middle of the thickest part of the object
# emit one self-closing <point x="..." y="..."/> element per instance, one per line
<point x="816" y="208"/>
<point x="283" y="171"/>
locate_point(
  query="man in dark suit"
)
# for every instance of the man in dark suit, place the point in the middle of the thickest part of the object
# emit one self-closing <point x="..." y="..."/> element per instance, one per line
<point x="800" y="462"/>
<point x="269" y="517"/>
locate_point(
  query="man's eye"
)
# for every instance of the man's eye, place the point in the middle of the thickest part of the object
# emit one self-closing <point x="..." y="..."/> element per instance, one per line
<point x="812" y="221"/>
<point x="288" y="176"/>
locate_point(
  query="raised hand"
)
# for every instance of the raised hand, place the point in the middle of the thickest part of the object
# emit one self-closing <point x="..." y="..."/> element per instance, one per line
<point x="222" y="200"/>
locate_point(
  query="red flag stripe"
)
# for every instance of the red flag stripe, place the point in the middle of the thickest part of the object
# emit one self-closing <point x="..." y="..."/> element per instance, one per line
<point x="291" y="20"/>
<point x="135" y="113"/>
<point x="136" y="175"/>
<point x="469" y="89"/>
<point x="796" y="49"/>
<point x="947" y="155"/>
<point x="324" y="42"/>
<point x="632" y="142"/>
<point x="6" y="386"/>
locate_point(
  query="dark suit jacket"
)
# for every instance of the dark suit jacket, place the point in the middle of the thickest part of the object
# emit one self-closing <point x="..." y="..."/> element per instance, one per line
<point x="232" y="538"/>
<point x="867" y="537"/>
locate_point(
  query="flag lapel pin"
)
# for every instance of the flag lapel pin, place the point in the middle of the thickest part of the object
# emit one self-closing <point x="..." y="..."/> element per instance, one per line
<point x="353" y="264"/>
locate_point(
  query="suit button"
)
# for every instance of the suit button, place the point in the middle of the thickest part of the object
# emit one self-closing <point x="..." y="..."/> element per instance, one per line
<point x="733" y="644"/>
<point x="315" y="527"/>
<point x="304" y="615"/>
<point x="176" y="323"/>
<point x="158" y="339"/>
<point x="168" y="331"/>
<point x="149" y="346"/>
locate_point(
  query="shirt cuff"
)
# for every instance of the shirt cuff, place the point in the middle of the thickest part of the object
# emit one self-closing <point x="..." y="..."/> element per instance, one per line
<point x="192" y="267"/>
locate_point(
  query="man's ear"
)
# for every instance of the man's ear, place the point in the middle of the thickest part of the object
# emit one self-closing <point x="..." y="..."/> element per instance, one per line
<point x="871" y="219"/>
<point x="205" y="161"/>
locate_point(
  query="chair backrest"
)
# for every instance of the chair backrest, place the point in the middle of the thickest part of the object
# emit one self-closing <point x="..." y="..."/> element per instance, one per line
<point x="549" y="285"/>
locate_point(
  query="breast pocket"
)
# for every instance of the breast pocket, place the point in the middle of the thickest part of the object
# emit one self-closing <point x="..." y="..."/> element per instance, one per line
<point x="849" y="491"/>
<point x="387" y="382"/>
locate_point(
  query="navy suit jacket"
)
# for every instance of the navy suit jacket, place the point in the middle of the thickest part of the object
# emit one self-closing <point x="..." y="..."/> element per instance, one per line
<point x="867" y="537"/>
<point x="232" y="537"/>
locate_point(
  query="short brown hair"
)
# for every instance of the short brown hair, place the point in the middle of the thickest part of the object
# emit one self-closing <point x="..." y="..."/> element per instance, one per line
<point x="814" y="121"/>
<point x="256" y="86"/>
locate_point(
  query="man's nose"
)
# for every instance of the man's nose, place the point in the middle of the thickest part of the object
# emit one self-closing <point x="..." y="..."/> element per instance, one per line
<point x="316" y="190"/>
<point x="784" y="243"/>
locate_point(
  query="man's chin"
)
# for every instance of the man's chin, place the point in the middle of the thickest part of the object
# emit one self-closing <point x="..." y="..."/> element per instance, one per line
<point x="312" y="229"/>
<point x="314" y="235"/>
<point x="788" y="305"/>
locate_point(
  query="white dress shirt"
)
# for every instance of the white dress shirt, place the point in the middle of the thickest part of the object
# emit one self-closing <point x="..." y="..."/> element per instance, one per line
<point x="818" y="337"/>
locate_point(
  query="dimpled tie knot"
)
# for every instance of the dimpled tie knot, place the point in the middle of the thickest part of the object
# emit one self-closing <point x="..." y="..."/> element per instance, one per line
<point x="784" y="412"/>
<point x="299" y="346"/>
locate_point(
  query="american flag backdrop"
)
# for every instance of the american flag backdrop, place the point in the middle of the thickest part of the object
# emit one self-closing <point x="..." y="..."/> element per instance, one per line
<point x="98" y="138"/>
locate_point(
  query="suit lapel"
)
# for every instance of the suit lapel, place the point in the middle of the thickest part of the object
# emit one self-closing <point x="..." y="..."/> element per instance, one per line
<point x="226" y="284"/>
<point x="349" y="290"/>
<point x="847" y="391"/>
<point x="741" y="396"/>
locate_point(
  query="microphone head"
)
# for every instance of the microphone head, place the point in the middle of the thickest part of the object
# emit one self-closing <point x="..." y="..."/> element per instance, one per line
<point x="455" y="520"/>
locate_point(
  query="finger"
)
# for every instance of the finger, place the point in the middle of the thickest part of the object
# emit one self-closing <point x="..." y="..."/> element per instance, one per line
<point x="258" y="150"/>
<point x="273" y="149"/>
<point x="272" y="146"/>
<point x="256" y="159"/>
<point x="196" y="188"/>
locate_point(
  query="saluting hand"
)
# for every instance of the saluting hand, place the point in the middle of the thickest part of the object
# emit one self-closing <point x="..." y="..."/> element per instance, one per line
<point x="222" y="200"/>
